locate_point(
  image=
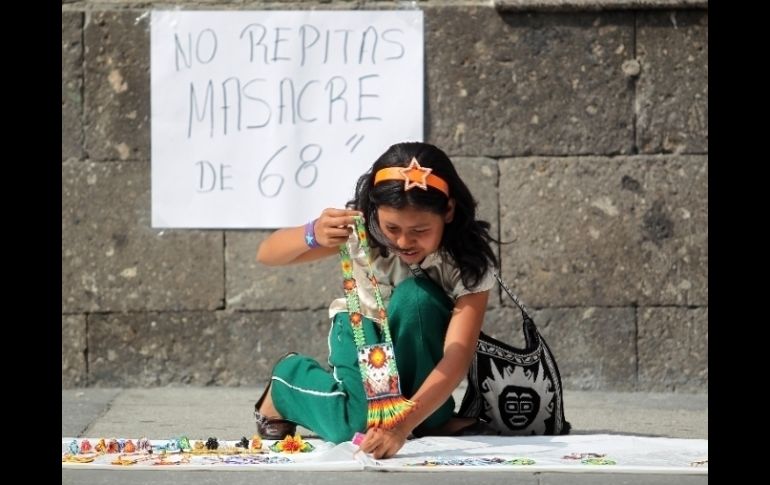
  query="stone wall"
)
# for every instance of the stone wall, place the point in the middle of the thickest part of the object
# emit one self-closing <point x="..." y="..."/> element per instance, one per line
<point x="582" y="128"/>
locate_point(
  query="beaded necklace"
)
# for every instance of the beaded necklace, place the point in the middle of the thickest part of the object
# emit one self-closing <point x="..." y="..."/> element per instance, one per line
<point x="377" y="362"/>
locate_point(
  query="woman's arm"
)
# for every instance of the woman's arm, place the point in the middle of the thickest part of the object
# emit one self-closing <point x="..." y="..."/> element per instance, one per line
<point x="459" y="347"/>
<point x="288" y="246"/>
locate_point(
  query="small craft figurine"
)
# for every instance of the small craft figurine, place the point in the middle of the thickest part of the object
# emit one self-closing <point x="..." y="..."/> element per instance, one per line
<point x="144" y="445"/>
<point x="172" y="445"/>
<point x="256" y="442"/>
<point x="73" y="447"/>
<point x="129" y="447"/>
<point x="243" y="443"/>
<point x="101" y="446"/>
<point x="85" y="446"/>
<point x="184" y="443"/>
<point x="112" y="446"/>
<point x="212" y="444"/>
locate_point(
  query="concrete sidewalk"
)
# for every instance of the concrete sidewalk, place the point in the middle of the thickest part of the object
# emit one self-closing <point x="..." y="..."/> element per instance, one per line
<point x="159" y="413"/>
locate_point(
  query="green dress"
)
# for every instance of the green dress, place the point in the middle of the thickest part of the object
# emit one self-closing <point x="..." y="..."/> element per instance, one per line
<point x="331" y="402"/>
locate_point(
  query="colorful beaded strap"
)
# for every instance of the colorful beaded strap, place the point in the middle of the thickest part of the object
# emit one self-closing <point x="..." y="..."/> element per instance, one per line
<point x="377" y="362"/>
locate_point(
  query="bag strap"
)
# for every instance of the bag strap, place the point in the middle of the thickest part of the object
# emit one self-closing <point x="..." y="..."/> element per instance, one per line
<point x="513" y="297"/>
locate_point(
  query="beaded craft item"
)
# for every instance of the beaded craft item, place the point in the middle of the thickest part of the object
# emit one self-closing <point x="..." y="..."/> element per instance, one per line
<point x="292" y="444"/>
<point x="377" y="362"/>
<point x="212" y="447"/>
<point x="472" y="461"/>
<point x="598" y="461"/>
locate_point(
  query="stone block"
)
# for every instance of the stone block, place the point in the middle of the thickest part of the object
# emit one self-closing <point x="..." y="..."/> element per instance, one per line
<point x="593" y="347"/>
<point x="117" y="80"/>
<point x="71" y="85"/>
<point x="73" y="351"/>
<point x="481" y="177"/>
<point x="113" y="260"/>
<point x="199" y="348"/>
<point x="672" y="92"/>
<point x="673" y="349"/>
<point x="582" y="5"/>
<point x="504" y="324"/>
<point x="254" y="286"/>
<point x="606" y="232"/>
<point x="502" y="84"/>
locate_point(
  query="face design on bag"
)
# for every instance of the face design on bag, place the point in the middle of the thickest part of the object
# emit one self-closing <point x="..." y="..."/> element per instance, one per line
<point x="518" y="406"/>
<point x="523" y="397"/>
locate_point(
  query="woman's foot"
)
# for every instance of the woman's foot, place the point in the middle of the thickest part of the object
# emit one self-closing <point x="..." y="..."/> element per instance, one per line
<point x="270" y="424"/>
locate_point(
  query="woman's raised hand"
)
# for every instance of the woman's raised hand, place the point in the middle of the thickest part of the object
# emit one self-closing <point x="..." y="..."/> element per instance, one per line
<point x="334" y="226"/>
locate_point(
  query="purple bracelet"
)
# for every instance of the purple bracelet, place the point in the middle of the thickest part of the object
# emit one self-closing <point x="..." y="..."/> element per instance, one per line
<point x="310" y="235"/>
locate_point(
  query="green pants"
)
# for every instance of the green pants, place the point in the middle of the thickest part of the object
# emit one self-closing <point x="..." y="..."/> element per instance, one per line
<point x="332" y="403"/>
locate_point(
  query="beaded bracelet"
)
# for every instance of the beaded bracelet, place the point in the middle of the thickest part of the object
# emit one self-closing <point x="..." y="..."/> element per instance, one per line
<point x="310" y="239"/>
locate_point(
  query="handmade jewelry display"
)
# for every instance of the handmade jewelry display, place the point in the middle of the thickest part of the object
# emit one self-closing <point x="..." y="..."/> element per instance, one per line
<point x="180" y="451"/>
<point x="377" y="361"/>
<point x="578" y="453"/>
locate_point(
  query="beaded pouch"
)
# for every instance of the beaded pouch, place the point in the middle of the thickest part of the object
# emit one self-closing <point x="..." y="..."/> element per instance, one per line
<point x="381" y="374"/>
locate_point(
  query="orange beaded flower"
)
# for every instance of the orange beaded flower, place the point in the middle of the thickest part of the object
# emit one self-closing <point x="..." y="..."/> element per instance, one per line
<point x="292" y="444"/>
<point x="377" y="357"/>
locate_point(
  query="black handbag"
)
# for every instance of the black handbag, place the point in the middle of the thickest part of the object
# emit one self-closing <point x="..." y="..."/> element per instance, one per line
<point x="516" y="391"/>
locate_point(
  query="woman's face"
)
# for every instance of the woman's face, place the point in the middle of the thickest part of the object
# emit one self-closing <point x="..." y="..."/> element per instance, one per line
<point x="416" y="233"/>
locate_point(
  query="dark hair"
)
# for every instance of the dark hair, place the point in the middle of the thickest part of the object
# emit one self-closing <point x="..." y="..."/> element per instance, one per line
<point x="465" y="239"/>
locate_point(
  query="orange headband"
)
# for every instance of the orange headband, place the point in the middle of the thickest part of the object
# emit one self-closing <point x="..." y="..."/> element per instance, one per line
<point x="413" y="176"/>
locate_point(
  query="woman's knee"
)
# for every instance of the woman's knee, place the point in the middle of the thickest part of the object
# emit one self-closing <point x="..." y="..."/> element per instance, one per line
<point x="419" y="293"/>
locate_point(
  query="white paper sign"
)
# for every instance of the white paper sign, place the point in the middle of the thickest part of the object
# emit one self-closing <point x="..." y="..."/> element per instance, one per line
<point x="263" y="119"/>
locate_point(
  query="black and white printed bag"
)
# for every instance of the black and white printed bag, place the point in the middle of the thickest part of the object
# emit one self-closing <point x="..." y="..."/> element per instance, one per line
<point x="516" y="391"/>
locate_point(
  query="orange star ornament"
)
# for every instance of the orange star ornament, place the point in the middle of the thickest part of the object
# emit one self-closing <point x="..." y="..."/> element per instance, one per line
<point x="415" y="175"/>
